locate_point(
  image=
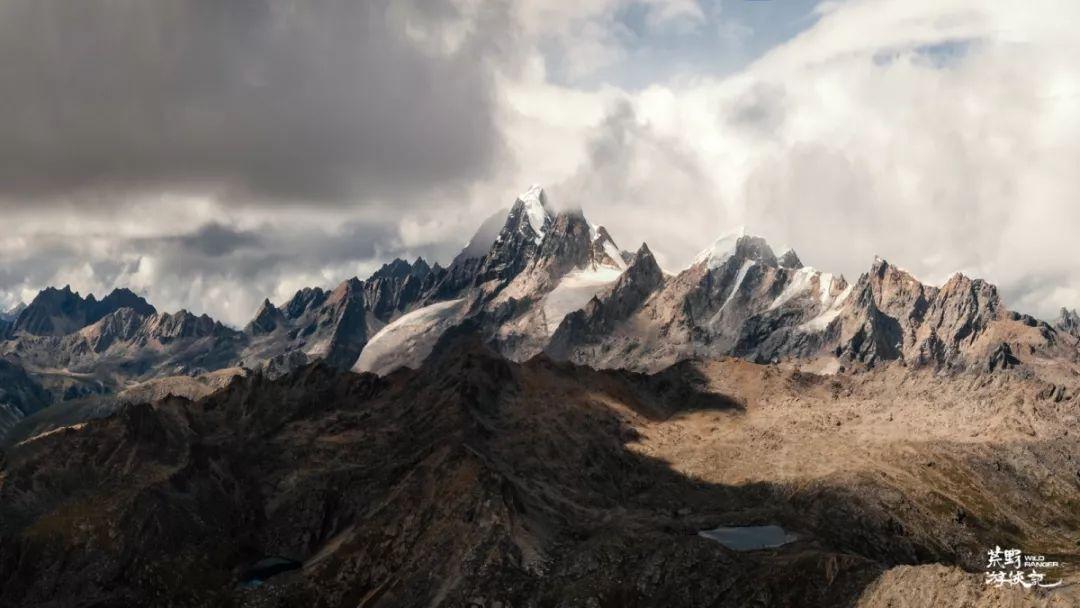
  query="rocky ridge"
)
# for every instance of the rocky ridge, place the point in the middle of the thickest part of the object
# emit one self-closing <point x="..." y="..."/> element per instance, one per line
<point x="537" y="280"/>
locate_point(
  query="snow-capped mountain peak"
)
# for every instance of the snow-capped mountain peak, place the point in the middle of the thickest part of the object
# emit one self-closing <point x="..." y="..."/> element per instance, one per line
<point x="536" y="210"/>
<point x="724" y="248"/>
<point x="721" y="250"/>
<point x="743" y="245"/>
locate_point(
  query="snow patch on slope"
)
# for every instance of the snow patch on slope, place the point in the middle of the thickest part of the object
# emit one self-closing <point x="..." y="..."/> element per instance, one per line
<point x="830" y="312"/>
<point x="825" y="282"/>
<point x="613" y="252"/>
<point x="800" y="282"/>
<point x="574" y="291"/>
<point x="738" y="282"/>
<point x="734" y="290"/>
<point x="608" y="246"/>
<point x="408" y="341"/>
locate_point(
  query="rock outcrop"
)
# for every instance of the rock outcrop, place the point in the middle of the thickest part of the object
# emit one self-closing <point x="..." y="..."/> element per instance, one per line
<point x="267" y="319"/>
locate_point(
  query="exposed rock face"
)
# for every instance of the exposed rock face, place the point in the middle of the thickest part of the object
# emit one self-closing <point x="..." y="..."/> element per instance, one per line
<point x="58" y="312"/>
<point x="740" y="299"/>
<point x="589" y="326"/>
<point x="735" y="299"/>
<point x="898" y="294"/>
<point x="869" y="335"/>
<point x="604" y="251"/>
<point x="20" y="396"/>
<point x="305" y="300"/>
<point x="1068" y="322"/>
<point x="955" y="326"/>
<point x="568" y="244"/>
<point x="336" y="325"/>
<point x="341" y="325"/>
<point x="397" y="286"/>
<point x="1002" y="358"/>
<point x="518" y="241"/>
<point x="642" y="277"/>
<point x="501" y="231"/>
<point x="123" y="346"/>
<point x="166" y="327"/>
<point x="789" y="259"/>
<point x="91" y="347"/>
<point x="557" y="283"/>
<point x="960" y="312"/>
<point x="266" y="320"/>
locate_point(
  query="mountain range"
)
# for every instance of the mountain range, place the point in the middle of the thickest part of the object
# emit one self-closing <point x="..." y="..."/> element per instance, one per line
<point x="532" y="281"/>
<point x="549" y="420"/>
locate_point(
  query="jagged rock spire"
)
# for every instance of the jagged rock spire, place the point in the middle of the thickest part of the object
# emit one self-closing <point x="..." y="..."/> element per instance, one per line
<point x="266" y="320"/>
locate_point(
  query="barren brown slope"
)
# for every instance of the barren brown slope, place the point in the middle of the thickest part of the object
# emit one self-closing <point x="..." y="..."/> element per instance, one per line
<point x="954" y="463"/>
<point x="480" y="481"/>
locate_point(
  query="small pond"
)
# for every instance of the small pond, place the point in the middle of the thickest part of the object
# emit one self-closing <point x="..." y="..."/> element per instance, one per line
<point x="749" y="538"/>
<point x="254" y="575"/>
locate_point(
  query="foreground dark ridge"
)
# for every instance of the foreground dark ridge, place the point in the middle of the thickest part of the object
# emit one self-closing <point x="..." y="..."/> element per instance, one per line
<point x="478" y="481"/>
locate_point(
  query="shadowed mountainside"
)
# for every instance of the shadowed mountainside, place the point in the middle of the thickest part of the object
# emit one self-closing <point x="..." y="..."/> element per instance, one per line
<point x="474" y="481"/>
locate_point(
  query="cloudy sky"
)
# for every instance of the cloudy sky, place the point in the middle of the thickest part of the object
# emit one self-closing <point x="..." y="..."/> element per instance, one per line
<point x="208" y="154"/>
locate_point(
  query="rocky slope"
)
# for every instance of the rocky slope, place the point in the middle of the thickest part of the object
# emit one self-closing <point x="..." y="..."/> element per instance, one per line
<point x="20" y="395"/>
<point x="121" y="347"/>
<point x="476" y="481"/>
<point x="739" y="299"/>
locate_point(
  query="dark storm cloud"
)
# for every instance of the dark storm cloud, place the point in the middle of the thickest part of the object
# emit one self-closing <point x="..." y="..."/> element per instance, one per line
<point x="273" y="251"/>
<point x="215" y="240"/>
<point x="332" y="101"/>
<point x="218" y="250"/>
